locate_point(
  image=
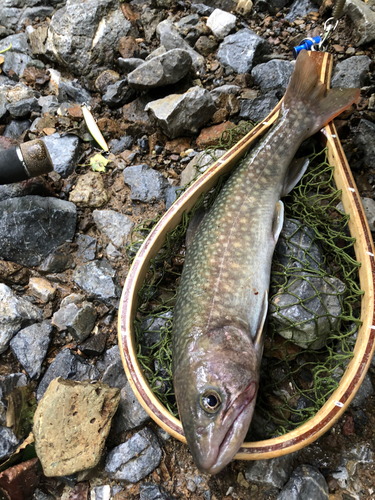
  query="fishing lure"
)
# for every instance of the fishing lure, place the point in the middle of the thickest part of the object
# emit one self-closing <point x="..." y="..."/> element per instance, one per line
<point x="93" y="127"/>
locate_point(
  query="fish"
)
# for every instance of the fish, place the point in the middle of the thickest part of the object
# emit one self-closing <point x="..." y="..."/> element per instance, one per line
<point x="222" y="299"/>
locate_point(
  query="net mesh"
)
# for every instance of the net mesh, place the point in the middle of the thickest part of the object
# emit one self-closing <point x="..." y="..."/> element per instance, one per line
<point x="314" y="303"/>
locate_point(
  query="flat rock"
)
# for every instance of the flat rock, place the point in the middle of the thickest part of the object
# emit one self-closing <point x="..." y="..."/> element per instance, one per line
<point x="8" y="442"/>
<point x="86" y="34"/>
<point x="15" y="313"/>
<point x="16" y="128"/>
<point x="64" y="152"/>
<point x="78" y="319"/>
<point x="130" y="413"/>
<point x="146" y="184"/>
<point x="112" y="368"/>
<point x="134" y="459"/>
<point x="24" y="107"/>
<point x="170" y="196"/>
<point x="86" y="247"/>
<point x="352" y="72"/>
<point x="68" y="366"/>
<point x="363" y="18"/>
<point x="272" y="472"/>
<point x="42" y="289"/>
<point x="273" y="75"/>
<point x="242" y="50"/>
<point x="58" y="261"/>
<point x="18" y="56"/>
<point x="257" y="109"/>
<point x="30" y="347"/>
<point x="364" y="139"/>
<point x="32" y="227"/>
<point x="114" y="225"/>
<point x="71" y="91"/>
<point x="96" y="278"/>
<point x="221" y="23"/>
<point x="306" y="482"/>
<point x="89" y="191"/>
<point x="182" y="114"/>
<point x="166" y="69"/>
<point x="83" y="411"/>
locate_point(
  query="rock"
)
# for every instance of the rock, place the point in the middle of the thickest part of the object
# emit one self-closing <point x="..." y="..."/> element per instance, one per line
<point x="49" y="104"/>
<point x="273" y="75"/>
<point x="363" y="19"/>
<point x="352" y="72"/>
<point x="37" y="40"/>
<point x="18" y="56"/>
<point x="146" y="184"/>
<point x="130" y="413"/>
<point x="42" y="289"/>
<point x="299" y="9"/>
<point x="19" y="481"/>
<point x="202" y="9"/>
<point x="58" y="261"/>
<point x="84" y="411"/>
<point x="30" y="347"/>
<point x="221" y="23"/>
<point x="205" y="45"/>
<point x="72" y="91"/>
<point x="242" y="50"/>
<point x="151" y="491"/>
<point x="32" y="227"/>
<point x="170" y="196"/>
<point x="162" y="70"/>
<point x="306" y="482"/>
<point x="134" y="112"/>
<point x="273" y="472"/>
<point x="39" y="495"/>
<point x="96" y="279"/>
<point x="101" y="492"/>
<point x="199" y="164"/>
<point x="218" y="92"/>
<point x="170" y="39"/>
<point x="112" y="253"/>
<point x="182" y="114"/>
<point x="82" y="36"/>
<point x="112" y="368"/>
<point x="150" y="18"/>
<point x="68" y="366"/>
<point x="86" y="247"/>
<point x="79" y="320"/>
<point x="117" y="146"/>
<point x="364" y="392"/>
<point x="114" y="225"/>
<point x="257" y="109"/>
<point x="119" y="94"/>
<point x="244" y="7"/>
<point x="15" y="313"/>
<point x="369" y="209"/>
<point x="129" y="64"/>
<point x="106" y="79"/>
<point x="24" y="107"/>
<point x="134" y="459"/>
<point x="8" y="442"/>
<point x="94" y="345"/>
<point x="64" y="152"/>
<point x="89" y="191"/>
<point x="364" y="139"/>
<point x="308" y="325"/>
<point x="210" y="136"/>
<point x="16" y="128"/>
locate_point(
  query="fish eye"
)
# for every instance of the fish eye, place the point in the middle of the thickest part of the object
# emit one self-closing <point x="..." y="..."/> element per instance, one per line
<point x="210" y="401"/>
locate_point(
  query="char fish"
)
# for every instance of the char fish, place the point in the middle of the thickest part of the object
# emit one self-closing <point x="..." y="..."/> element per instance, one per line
<point x="222" y="300"/>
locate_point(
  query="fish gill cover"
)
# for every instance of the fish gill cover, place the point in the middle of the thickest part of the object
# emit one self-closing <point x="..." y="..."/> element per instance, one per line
<point x="297" y="375"/>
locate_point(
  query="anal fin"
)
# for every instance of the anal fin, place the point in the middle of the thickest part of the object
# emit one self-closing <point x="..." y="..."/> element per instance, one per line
<point x="194" y="225"/>
<point x="258" y="339"/>
<point x="295" y="172"/>
<point x="278" y="220"/>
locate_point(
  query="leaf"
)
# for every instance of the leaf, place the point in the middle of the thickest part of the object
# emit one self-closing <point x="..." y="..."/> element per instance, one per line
<point x="98" y="163"/>
<point x="21" y="408"/>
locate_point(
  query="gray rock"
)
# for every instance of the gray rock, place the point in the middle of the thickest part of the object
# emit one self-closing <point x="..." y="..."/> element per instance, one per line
<point x="112" y="253"/>
<point x="64" y="152"/>
<point x="16" y="128"/>
<point x="130" y="413"/>
<point x="79" y="320"/>
<point x="365" y="391"/>
<point x="171" y="196"/>
<point x="68" y="366"/>
<point x="224" y="89"/>
<point x="273" y="472"/>
<point x="114" y="225"/>
<point x="150" y="19"/>
<point x="111" y="356"/>
<point x="18" y="56"/>
<point x="101" y="492"/>
<point x="305" y="483"/>
<point x="24" y="107"/>
<point x="369" y="209"/>
<point x="182" y="114"/>
<point x="170" y="39"/>
<point x="117" y="146"/>
<point x="364" y="139"/>
<point x="86" y="247"/>
<point x="8" y="442"/>
<point x="257" y="109"/>
<point x="96" y="278"/>
<point x="157" y="52"/>
<point x="242" y="50"/>
<point x="32" y="227"/>
<point x="30" y="347"/>
<point x="49" y="104"/>
<point x="119" y="94"/>
<point x="273" y="75"/>
<point x="39" y="495"/>
<point x="135" y="459"/>
<point x="199" y="164"/>
<point x="221" y="23"/>
<point x="129" y="64"/>
<point x="84" y="34"/>
<point x="72" y="91"/>
<point x="308" y="325"/>
<point x="10" y="382"/>
<point x="363" y="19"/>
<point x="95" y="344"/>
<point x="114" y="375"/>
<point x="352" y="72"/>
<point x="3" y="105"/>
<point x="57" y="262"/>
<point x="300" y="8"/>
<point x="162" y="70"/>
<point x="15" y="313"/>
<point x="14" y="11"/>
<point x="146" y="184"/>
<point x="153" y="328"/>
<point x="151" y="491"/>
<point x="202" y="9"/>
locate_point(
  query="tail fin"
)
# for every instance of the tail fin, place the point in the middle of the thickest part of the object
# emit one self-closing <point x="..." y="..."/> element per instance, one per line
<point x="309" y="97"/>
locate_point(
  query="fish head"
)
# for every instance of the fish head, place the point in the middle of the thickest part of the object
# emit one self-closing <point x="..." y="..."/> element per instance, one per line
<point x="216" y="395"/>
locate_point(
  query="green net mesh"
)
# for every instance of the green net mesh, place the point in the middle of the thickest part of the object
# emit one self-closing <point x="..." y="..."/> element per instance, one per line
<point x="314" y="304"/>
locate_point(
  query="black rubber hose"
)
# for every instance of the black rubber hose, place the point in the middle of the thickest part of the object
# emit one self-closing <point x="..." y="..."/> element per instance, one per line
<point x="24" y="161"/>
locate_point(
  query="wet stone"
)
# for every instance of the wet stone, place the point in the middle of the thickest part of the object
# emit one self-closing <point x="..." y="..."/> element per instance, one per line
<point x="15" y="313"/>
<point x="273" y="75"/>
<point x="242" y="50"/>
<point x="221" y="23"/>
<point x="119" y="94"/>
<point x="30" y="347"/>
<point x="96" y="278"/>
<point x="68" y="366"/>
<point x="352" y="72"/>
<point x="257" y="109"/>
<point x="32" y="227"/>
<point x="8" y="442"/>
<point x="130" y="413"/>
<point x="64" y="152"/>
<point x="114" y="225"/>
<point x="273" y="472"/>
<point x="306" y="482"/>
<point x="79" y="320"/>
<point x="134" y="459"/>
<point x="146" y="184"/>
<point x="152" y="491"/>
<point x="86" y="247"/>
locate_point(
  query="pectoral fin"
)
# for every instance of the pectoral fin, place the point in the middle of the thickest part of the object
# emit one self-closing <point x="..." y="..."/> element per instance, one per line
<point x="258" y="339"/>
<point x="278" y="220"/>
<point x="295" y="172"/>
<point x="194" y="225"/>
